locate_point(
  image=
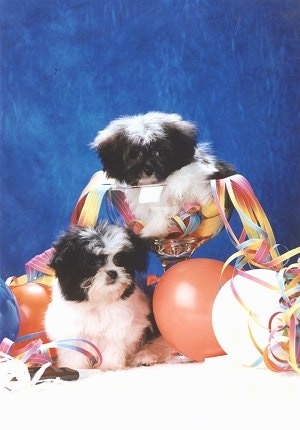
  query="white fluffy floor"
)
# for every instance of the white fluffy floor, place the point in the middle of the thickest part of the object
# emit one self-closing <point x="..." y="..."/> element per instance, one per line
<point x="186" y="396"/>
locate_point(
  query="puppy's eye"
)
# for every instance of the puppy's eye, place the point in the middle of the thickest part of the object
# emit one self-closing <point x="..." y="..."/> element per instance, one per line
<point x="156" y="153"/>
<point x="135" y="152"/>
<point x="119" y="259"/>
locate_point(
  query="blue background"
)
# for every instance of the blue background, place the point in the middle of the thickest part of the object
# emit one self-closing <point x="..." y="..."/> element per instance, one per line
<point x="70" y="66"/>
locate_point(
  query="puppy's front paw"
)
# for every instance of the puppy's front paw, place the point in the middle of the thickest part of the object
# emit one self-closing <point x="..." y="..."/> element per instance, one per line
<point x="144" y="358"/>
<point x="154" y="352"/>
<point x="156" y="228"/>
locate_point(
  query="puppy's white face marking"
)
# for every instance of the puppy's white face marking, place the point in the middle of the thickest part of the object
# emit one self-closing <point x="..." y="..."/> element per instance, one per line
<point x="108" y="283"/>
<point x="140" y="128"/>
<point x="143" y="131"/>
<point x="112" y="241"/>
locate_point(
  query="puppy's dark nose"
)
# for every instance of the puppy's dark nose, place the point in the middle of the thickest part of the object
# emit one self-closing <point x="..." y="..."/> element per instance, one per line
<point x="112" y="274"/>
<point x="148" y="170"/>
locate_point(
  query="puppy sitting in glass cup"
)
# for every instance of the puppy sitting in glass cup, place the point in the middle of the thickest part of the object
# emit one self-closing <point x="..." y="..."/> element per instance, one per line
<point x="158" y="148"/>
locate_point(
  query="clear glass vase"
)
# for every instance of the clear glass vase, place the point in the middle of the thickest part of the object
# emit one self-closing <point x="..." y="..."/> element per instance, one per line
<point x="174" y="229"/>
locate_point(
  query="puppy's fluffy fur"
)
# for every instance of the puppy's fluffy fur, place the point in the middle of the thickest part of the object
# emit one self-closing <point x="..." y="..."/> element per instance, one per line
<point x="95" y="298"/>
<point x="159" y="148"/>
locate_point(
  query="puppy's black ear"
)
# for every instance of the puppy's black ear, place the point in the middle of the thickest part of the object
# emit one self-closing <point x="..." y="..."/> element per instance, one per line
<point x="63" y="249"/>
<point x="67" y="263"/>
<point x="141" y="247"/>
<point x="110" y="152"/>
<point x="183" y="139"/>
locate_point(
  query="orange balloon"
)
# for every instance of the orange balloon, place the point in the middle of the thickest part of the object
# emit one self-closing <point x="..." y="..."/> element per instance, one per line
<point x="182" y="304"/>
<point x="32" y="299"/>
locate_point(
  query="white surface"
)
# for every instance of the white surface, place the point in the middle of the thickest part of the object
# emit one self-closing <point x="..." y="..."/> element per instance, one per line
<point x="205" y="395"/>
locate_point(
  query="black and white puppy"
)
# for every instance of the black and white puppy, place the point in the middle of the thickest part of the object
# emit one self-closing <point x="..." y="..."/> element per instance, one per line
<point x="159" y="148"/>
<point x="95" y="298"/>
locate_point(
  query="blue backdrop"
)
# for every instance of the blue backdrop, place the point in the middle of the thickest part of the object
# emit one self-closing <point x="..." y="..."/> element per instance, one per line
<point x="70" y="66"/>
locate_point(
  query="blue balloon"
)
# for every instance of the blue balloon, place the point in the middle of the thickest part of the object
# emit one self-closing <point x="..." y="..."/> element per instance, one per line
<point x="9" y="313"/>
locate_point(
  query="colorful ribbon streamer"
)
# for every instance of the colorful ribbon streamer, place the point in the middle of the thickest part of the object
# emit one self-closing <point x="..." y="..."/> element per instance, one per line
<point x="37" y="353"/>
<point x="256" y="247"/>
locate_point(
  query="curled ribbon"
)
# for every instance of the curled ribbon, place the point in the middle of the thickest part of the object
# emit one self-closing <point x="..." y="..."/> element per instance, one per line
<point x="35" y="352"/>
<point x="256" y="247"/>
